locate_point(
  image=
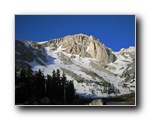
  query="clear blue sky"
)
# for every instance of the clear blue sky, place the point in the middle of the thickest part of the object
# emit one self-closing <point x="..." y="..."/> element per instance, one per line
<point x="115" y="31"/>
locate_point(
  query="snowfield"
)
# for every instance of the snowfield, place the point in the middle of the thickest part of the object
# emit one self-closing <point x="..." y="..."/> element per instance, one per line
<point x="90" y="88"/>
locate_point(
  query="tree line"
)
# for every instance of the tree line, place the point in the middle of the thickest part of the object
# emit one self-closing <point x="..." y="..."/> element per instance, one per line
<point x="32" y="88"/>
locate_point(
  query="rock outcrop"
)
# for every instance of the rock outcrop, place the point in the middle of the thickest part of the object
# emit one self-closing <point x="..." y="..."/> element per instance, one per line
<point x="83" y="45"/>
<point x="26" y="52"/>
<point x="129" y="51"/>
<point x="96" y="102"/>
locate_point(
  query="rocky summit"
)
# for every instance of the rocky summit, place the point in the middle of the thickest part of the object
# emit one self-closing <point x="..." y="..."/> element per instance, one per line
<point x="84" y="46"/>
<point x="96" y="70"/>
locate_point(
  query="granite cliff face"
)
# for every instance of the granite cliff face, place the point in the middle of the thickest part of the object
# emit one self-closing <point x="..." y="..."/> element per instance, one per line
<point x="84" y="46"/>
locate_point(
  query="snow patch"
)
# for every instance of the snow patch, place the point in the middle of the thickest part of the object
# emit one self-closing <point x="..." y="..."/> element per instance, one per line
<point x="88" y="47"/>
<point x="26" y="45"/>
<point x="18" y="53"/>
<point x="42" y="42"/>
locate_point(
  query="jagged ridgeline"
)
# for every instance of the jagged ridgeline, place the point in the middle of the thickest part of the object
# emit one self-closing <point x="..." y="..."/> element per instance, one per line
<point x="95" y="70"/>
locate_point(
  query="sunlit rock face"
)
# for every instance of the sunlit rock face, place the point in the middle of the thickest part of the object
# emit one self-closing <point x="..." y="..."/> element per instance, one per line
<point x="85" y="46"/>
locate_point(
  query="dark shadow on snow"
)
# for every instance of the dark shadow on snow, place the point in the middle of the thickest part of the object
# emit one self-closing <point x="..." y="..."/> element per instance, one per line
<point x="50" y="60"/>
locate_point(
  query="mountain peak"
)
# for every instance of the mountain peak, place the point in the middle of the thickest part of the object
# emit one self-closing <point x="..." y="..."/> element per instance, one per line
<point x="81" y="34"/>
<point x="130" y="49"/>
<point x="94" y="69"/>
<point x="84" y="46"/>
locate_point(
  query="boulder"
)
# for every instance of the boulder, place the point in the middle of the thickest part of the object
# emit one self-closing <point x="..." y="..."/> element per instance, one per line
<point x="96" y="102"/>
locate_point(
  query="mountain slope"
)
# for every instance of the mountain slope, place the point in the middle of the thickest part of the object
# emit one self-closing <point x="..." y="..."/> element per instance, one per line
<point x="95" y="70"/>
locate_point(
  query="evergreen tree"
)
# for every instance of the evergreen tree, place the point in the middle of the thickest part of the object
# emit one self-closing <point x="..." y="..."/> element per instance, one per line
<point x="29" y="80"/>
<point x="70" y="92"/>
<point x="54" y="74"/>
<point x="23" y="84"/>
<point x="50" y="87"/>
<point x="18" y="95"/>
<point x="16" y="78"/>
<point x="54" y="84"/>
<point x="58" y="90"/>
<point x="64" y="87"/>
<point x="30" y="87"/>
<point x="40" y="84"/>
<point x="58" y="74"/>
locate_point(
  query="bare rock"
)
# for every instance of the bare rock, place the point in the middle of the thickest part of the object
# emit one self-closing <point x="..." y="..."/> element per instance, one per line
<point x="96" y="102"/>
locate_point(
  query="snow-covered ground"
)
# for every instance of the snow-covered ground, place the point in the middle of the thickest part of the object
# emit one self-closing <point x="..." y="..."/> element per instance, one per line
<point x="42" y="42"/>
<point x="120" y="64"/>
<point x="85" y="89"/>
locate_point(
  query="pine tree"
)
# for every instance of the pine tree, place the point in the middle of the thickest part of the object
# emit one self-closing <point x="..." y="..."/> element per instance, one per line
<point x="64" y="87"/>
<point x="54" y="84"/>
<point x="23" y="84"/>
<point x="70" y="92"/>
<point x="40" y="84"/>
<point x="16" y="78"/>
<point x="50" y="87"/>
<point x="29" y="78"/>
<point x="58" y="90"/>
<point x="18" y="97"/>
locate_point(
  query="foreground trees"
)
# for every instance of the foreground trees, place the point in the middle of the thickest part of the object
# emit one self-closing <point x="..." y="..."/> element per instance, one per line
<point x="33" y="88"/>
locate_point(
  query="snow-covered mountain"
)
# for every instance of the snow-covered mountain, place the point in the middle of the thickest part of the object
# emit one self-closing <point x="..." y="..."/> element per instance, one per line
<point x="95" y="70"/>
